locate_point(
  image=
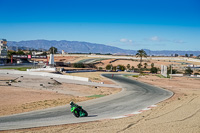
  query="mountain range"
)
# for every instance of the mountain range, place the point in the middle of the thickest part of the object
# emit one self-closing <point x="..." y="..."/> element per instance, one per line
<point x="86" y="47"/>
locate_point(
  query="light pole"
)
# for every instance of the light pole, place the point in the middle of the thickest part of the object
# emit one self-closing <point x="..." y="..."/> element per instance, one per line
<point x="171" y="71"/>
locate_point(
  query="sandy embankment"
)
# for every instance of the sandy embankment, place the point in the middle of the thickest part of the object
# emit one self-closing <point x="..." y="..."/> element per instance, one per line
<point x="179" y="114"/>
<point x="27" y="94"/>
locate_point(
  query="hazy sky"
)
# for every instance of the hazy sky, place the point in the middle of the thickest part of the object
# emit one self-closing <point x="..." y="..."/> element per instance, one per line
<point x="128" y="24"/>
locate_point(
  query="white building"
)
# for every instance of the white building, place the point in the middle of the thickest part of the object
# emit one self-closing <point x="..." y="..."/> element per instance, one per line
<point x="3" y="47"/>
<point x="3" y="51"/>
<point x="63" y="52"/>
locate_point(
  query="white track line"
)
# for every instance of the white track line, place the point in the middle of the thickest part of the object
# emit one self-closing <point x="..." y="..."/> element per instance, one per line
<point x="118" y="117"/>
<point x="135" y="113"/>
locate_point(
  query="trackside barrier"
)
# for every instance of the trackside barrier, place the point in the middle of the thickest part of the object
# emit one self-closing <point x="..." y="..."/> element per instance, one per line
<point x="176" y="75"/>
<point x="42" y="69"/>
<point x="181" y="75"/>
<point x="44" y="74"/>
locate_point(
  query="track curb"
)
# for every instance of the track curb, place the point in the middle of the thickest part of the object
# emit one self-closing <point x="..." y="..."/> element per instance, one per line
<point x="134" y="113"/>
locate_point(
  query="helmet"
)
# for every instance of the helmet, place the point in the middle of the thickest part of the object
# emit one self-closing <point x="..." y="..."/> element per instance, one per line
<point x="71" y="103"/>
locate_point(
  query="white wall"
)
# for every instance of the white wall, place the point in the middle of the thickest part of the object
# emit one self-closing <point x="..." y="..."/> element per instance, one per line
<point x="45" y="74"/>
<point x="42" y="69"/>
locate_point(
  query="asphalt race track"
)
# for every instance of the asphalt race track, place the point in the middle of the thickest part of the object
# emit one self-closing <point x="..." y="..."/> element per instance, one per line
<point x="134" y="97"/>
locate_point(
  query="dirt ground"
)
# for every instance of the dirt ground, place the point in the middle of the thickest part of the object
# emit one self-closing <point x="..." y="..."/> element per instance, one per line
<point x="134" y="63"/>
<point x="179" y="114"/>
<point x="27" y="94"/>
<point x="61" y="59"/>
<point x="95" y="76"/>
<point x="66" y="59"/>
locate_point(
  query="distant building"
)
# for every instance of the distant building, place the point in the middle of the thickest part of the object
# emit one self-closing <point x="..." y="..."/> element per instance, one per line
<point x="3" y="51"/>
<point x="37" y="53"/>
<point x="3" y="47"/>
<point x="63" y="52"/>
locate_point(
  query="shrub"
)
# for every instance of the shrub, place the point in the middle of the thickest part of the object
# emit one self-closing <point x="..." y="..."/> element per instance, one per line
<point x="79" y="65"/>
<point x="100" y="68"/>
<point x="114" y="68"/>
<point x="132" y="68"/>
<point x="136" y="76"/>
<point x="108" y="67"/>
<point x="154" y="70"/>
<point x="174" y="71"/>
<point x="121" y="67"/>
<point x="188" y="71"/>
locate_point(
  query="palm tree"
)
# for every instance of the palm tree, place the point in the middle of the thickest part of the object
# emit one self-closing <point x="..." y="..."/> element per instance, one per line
<point x="152" y="65"/>
<point x="132" y="68"/>
<point x="139" y="65"/>
<point x="141" y="53"/>
<point x="145" y="65"/>
<point x="53" y="50"/>
<point x="128" y="66"/>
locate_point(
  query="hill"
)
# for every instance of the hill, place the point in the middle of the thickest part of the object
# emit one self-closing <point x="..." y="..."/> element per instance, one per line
<point x="86" y="47"/>
<point x="69" y="46"/>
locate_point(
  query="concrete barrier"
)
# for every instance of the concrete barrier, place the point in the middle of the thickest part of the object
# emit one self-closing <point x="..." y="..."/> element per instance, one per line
<point x="76" y="71"/>
<point x="44" y="74"/>
<point x="42" y="69"/>
<point x="181" y="75"/>
<point x="176" y="75"/>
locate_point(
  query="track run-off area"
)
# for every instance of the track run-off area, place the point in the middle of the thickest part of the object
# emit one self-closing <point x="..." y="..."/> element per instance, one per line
<point x="135" y="96"/>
